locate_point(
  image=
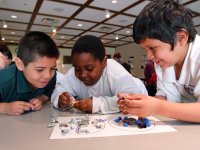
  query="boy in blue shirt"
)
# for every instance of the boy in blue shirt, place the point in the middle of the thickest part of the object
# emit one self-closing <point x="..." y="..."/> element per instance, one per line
<point x="29" y="83"/>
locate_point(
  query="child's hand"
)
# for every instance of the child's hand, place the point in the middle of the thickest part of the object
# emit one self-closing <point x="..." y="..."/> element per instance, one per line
<point x="84" y="105"/>
<point x="17" y="107"/>
<point x="140" y="105"/>
<point x="120" y="102"/>
<point x="64" y="100"/>
<point x="36" y="103"/>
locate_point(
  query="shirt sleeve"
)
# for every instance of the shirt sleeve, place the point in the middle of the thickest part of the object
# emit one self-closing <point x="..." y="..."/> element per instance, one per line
<point x="127" y="84"/>
<point x="63" y="86"/>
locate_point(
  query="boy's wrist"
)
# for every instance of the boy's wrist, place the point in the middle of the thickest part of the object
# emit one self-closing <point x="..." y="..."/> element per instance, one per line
<point x="3" y="108"/>
<point x="43" y="98"/>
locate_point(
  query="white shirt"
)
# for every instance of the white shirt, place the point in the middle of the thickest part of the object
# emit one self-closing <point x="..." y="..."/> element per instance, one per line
<point x="114" y="79"/>
<point x="187" y="88"/>
<point x="59" y="77"/>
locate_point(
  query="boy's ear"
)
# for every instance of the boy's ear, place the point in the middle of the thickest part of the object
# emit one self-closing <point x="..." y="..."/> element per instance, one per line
<point x="182" y="37"/>
<point x="104" y="62"/>
<point x="19" y="64"/>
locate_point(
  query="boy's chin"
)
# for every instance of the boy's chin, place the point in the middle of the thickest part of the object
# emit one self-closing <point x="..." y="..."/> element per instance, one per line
<point x="42" y="85"/>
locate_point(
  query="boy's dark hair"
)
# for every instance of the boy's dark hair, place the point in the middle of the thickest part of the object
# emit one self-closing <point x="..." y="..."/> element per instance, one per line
<point x="35" y="44"/>
<point x="162" y="19"/>
<point x="5" y="51"/>
<point x="89" y="44"/>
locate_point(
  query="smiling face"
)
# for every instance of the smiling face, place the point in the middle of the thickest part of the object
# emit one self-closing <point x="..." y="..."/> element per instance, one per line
<point x="162" y="54"/>
<point x="39" y="72"/>
<point x="87" y="68"/>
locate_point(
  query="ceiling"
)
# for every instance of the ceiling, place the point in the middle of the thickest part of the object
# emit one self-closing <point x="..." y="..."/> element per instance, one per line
<point x="65" y="15"/>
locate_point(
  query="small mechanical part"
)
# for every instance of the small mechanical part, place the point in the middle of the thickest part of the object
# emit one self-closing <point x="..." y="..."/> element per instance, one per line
<point x="64" y="128"/>
<point x="147" y="122"/>
<point x="141" y="123"/>
<point x="54" y="119"/>
<point x="101" y="120"/>
<point x="73" y="103"/>
<point x="83" y="131"/>
<point x="119" y="118"/>
<point x="52" y="116"/>
<point x="97" y="124"/>
<point x="122" y="98"/>
<point x="50" y="125"/>
<point x="129" y="121"/>
<point x="83" y="122"/>
<point x="77" y="129"/>
<point x="125" y="124"/>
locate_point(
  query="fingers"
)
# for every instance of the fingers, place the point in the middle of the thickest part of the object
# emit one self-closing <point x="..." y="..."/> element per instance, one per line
<point x="64" y="100"/>
<point x="133" y="103"/>
<point x="24" y="105"/>
<point x="36" y="104"/>
<point x="120" y="95"/>
<point x="66" y="94"/>
<point x="17" y="107"/>
<point x="135" y="96"/>
<point x="84" y="105"/>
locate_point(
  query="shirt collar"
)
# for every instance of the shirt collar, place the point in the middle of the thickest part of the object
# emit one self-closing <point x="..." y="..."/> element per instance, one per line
<point x="22" y="84"/>
<point x="169" y="74"/>
<point x="185" y="75"/>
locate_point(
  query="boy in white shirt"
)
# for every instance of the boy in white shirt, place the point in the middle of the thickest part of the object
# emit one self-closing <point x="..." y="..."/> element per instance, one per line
<point x="166" y="31"/>
<point x="94" y="81"/>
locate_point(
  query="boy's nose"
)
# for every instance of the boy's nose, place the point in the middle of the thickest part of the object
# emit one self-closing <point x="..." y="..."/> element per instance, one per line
<point x="84" y="74"/>
<point x="47" y="75"/>
<point x="150" y="56"/>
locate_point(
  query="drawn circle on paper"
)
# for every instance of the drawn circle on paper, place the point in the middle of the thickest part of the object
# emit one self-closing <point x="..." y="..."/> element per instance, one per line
<point x="130" y="128"/>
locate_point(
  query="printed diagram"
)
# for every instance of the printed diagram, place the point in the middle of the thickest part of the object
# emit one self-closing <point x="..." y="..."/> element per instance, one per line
<point x="104" y="125"/>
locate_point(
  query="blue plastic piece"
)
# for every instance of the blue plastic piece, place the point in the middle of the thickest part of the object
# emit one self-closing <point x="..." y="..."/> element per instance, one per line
<point x="119" y="117"/>
<point x="138" y="122"/>
<point x="146" y="121"/>
<point x="125" y="118"/>
<point x="117" y="120"/>
<point x="123" y="98"/>
<point x="148" y="124"/>
<point x="125" y="124"/>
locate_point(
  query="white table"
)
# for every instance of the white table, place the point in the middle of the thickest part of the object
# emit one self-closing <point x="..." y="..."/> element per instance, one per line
<point x="30" y="132"/>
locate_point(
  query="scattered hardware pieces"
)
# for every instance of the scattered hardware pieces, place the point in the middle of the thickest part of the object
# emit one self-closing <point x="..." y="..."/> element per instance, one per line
<point x="53" y="122"/>
<point x="50" y="125"/>
<point x="81" y="125"/>
<point x="129" y="121"/>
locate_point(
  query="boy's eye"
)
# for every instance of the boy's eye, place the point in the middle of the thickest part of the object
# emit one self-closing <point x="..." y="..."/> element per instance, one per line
<point x="39" y="70"/>
<point x="152" y="48"/>
<point x="89" y="69"/>
<point x="53" y="69"/>
<point x="76" y="68"/>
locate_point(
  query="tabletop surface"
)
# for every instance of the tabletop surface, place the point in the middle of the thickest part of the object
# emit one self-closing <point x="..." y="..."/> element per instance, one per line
<point x="30" y="132"/>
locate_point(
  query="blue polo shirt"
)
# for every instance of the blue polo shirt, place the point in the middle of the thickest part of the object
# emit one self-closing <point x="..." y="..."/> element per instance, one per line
<point x="14" y="86"/>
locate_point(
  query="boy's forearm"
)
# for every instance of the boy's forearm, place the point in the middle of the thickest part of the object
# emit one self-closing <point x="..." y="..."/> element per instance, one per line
<point x="181" y="111"/>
